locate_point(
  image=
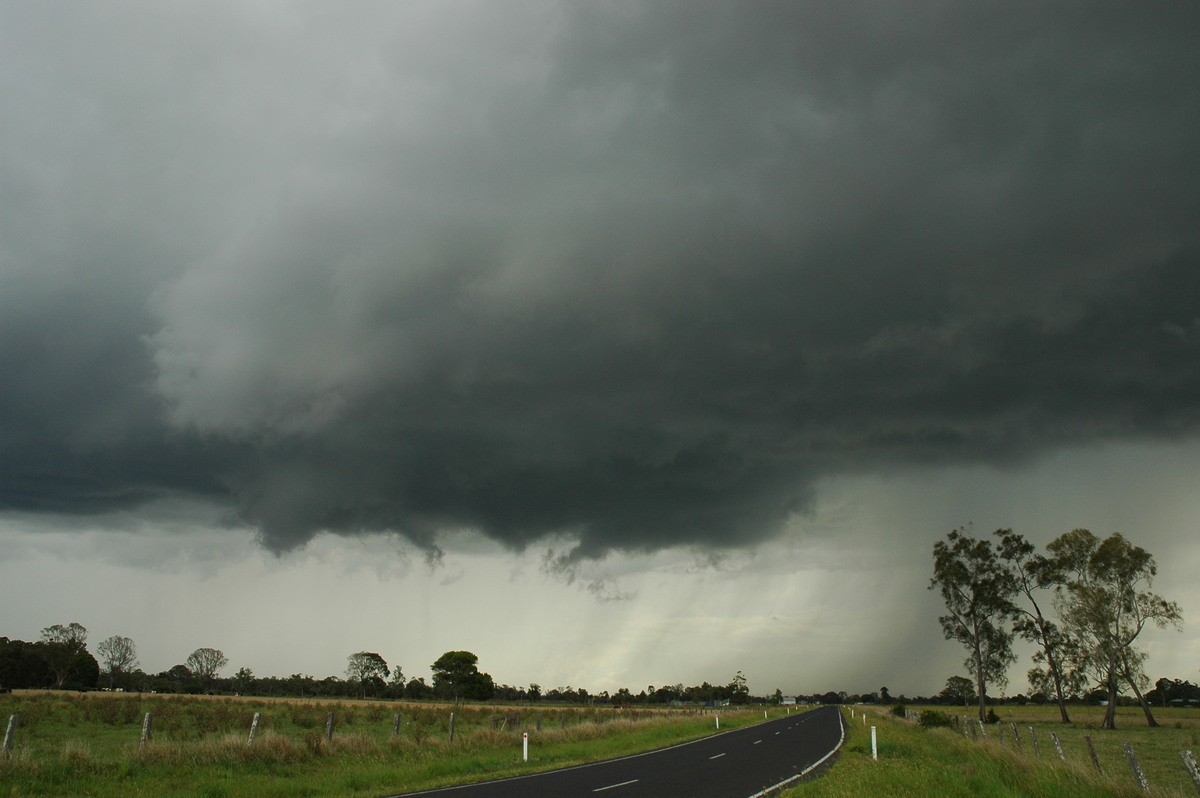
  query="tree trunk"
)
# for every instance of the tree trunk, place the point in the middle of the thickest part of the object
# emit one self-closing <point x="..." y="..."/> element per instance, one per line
<point x="1150" y="721"/>
<point x="1062" y="702"/>
<point x="1110" y="713"/>
<point x="980" y="684"/>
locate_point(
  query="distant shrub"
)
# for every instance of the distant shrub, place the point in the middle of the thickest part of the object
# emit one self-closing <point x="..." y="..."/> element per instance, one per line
<point x="931" y="718"/>
<point x="992" y="717"/>
<point x="899" y="710"/>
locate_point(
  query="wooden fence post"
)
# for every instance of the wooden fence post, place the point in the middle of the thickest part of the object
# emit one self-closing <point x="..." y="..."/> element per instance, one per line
<point x="253" y="728"/>
<point x="1057" y="746"/>
<point x="1017" y="738"/>
<point x="451" y="727"/>
<point x="147" y="722"/>
<point x="396" y="724"/>
<point x="1092" y="753"/>
<point x="1138" y="775"/>
<point x="982" y="729"/>
<point x="1189" y="762"/>
<point x="1033" y="736"/>
<point x="329" y="728"/>
<point x="8" y="735"/>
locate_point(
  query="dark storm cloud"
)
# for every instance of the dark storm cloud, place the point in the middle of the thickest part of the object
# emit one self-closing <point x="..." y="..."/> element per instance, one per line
<point x="639" y="274"/>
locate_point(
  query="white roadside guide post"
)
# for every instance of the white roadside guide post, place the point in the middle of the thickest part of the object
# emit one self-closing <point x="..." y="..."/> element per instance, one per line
<point x="874" y="745"/>
<point x="525" y="746"/>
<point x="12" y="728"/>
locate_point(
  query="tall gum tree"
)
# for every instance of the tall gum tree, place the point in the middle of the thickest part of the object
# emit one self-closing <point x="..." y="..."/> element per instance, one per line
<point x="119" y="654"/>
<point x="978" y="590"/>
<point x="1034" y="575"/>
<point x="1105" y="605"/>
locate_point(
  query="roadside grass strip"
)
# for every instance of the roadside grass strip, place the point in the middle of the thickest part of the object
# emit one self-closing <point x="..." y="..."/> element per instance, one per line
<point x="917" y="761"/>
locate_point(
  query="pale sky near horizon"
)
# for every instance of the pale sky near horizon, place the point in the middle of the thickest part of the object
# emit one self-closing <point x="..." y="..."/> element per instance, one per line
<point x="621" y="344"/>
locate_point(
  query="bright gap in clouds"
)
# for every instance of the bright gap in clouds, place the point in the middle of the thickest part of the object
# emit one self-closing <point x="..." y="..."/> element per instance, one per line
<point x="838" y="603"/>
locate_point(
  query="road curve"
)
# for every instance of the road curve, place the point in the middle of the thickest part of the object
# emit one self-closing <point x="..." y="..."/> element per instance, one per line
<point x="743" y="763"/>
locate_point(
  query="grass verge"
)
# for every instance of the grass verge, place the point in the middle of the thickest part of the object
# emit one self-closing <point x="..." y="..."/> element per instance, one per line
<point x="915" y="761"/>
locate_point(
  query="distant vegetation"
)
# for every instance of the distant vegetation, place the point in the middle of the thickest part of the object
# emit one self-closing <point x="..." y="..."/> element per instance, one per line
<point x="61" y="660"/>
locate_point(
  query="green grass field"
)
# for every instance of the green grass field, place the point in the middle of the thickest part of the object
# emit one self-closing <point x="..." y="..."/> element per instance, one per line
<point x="918" y="762"/>
<point x="71" y="744"/>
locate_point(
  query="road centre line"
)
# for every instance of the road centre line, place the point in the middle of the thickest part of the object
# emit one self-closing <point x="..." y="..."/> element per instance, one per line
<point x="718" y="756"/>
<point x="614" y="786"/>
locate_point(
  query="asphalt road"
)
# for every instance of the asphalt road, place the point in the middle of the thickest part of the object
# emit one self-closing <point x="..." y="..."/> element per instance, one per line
<point x="744" y="763"/>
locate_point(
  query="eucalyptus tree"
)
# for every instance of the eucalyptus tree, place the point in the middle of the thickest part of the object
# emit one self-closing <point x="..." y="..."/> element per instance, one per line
<point x="958" y="688"/>
<point x="1034" y="575"/>
<point x="119" y="655"/>
<point x="73" y="635"/>
<point x="65" y="650"/>
<point x="978" y="589"/>
<point x="205" y="663"/>
<point x="366" y="669"/>
<point x="1105" y="605"/>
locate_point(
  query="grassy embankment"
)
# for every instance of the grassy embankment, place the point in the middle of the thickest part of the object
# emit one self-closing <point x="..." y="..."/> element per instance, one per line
<point x="918" y="762"/>
<point x="70" y="744"/>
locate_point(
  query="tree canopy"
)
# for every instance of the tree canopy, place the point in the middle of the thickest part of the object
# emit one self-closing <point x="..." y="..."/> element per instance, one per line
<point x="456" y="675"/>
<point x="206" y="663"/>
<point x="368" y="670"/>
<point x="119" y="655"/>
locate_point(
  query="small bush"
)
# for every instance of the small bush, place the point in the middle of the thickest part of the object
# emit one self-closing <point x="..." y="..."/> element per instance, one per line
<point x="931" y="718"/>
<point x="899" y="710"/>
<point x="992" y="717"/>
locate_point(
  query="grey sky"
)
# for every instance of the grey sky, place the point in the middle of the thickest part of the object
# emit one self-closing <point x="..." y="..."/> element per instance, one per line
<point x="613" y="279"/>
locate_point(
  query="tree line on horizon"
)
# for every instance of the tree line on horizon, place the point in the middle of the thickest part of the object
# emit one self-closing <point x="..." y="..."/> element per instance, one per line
<point x="1082" y="603"/>
<point x="61" y="660"/>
